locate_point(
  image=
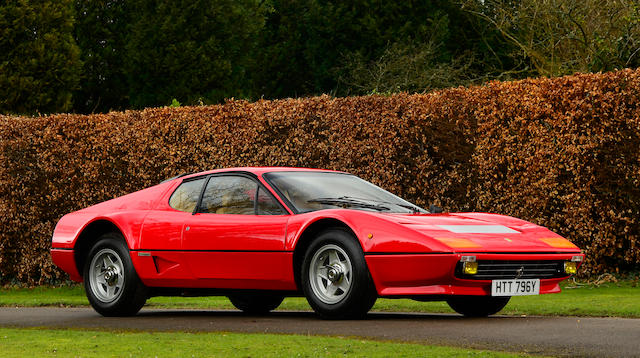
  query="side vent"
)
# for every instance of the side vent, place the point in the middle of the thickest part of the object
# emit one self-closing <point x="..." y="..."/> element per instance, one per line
<point x="163" y="265"/>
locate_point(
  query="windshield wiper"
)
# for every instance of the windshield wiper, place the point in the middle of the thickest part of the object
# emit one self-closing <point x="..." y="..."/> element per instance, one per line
<point x="345" y="202"/>
<point x="413" y="208"/>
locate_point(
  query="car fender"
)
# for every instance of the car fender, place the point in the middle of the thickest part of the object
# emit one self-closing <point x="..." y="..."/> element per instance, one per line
<point x="71" y="226"/>
<point x="126" y="213"/>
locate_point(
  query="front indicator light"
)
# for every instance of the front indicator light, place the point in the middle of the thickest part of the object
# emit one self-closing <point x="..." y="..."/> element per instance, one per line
<point x="559" y="242"/>
<point x="570" y="267"/>
<point x="470" y="268"/>
<point x="458" y="242"/>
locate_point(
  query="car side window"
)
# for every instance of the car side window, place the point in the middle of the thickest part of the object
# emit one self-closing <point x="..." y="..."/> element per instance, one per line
<point x="232" y="194"/>
<point x="266" y="204"/>
<point x="185" y="197"/>
<point x="229" y="195"/>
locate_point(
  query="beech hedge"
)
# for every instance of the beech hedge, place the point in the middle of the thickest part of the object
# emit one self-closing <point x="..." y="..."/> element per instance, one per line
<point x="561" y="152"/>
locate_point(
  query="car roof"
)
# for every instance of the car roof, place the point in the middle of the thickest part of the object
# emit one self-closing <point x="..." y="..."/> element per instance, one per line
<point x="257" y="171"/>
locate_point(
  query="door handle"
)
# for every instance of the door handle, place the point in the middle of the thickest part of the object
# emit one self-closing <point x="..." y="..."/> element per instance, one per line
<point x="187" y="228"/>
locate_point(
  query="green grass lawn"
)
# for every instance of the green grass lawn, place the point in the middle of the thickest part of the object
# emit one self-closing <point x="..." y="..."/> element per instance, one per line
<point x="619" y="299"/>
<point x="76" y="343"/>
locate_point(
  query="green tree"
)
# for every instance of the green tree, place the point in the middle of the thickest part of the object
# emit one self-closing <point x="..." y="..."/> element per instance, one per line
<point x="558" y="37"/>
<point x="191" y="50"/>
<point x="405" y="67"/>
<point x="281" y="60"/>
<point x="100" y="31"/>
<point x="312" y="46"/>
<point x="39" y="59"/>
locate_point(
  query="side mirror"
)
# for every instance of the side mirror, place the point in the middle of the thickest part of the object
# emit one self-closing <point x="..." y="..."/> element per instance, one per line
<point x="433" y="209"/>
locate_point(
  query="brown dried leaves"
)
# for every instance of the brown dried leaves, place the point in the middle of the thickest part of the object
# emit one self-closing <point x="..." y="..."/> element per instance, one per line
<point x="563" y="153"/>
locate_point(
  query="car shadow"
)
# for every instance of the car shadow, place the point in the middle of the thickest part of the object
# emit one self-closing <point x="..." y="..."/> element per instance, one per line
<point x="378" y="316"/>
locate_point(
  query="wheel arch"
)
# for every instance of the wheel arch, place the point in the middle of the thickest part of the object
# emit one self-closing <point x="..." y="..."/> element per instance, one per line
<point x="89" y="236"/>
<point x="307" y="236"/>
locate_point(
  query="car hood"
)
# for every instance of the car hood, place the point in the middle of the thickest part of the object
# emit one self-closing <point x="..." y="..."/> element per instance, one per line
<point x="483" y="232"/>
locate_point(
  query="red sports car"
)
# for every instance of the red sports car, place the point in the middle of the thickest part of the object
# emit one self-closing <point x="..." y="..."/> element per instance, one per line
<point x="258" y="235"/>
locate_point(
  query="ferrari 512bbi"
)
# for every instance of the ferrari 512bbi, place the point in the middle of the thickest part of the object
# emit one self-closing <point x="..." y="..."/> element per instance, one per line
<point x="258" y="235"/>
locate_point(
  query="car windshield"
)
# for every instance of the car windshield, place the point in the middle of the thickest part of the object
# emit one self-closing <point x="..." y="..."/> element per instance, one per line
<point x="311" y="191"/>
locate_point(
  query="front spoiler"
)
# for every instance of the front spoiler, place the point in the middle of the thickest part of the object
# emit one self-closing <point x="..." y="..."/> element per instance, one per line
<point x="434" y="274"/>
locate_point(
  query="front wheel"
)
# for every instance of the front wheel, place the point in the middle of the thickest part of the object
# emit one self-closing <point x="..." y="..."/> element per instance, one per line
<point x="477" y="306"/>
<point x="256" y="303"/>
<point x="335" y="278"/>
<point x="110" y="280"/>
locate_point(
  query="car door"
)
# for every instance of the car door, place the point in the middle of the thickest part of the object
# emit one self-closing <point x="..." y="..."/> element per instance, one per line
<point x="163" y="226"/>
<point x="237" y="235"/>
<point x="159" y="258"/>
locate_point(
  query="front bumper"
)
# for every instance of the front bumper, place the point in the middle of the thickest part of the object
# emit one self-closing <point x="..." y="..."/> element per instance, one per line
<point x="434" y="274"/>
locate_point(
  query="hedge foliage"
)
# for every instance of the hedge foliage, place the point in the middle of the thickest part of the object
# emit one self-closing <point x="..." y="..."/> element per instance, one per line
<point x="563" y="153"/>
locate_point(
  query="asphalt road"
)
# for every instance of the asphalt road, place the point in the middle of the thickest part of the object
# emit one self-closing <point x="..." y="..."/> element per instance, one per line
<point x="558" y="336"/>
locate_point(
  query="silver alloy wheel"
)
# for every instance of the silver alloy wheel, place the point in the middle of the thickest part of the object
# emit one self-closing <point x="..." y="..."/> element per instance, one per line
<point x="330" y="274"/>
<point x="106" y="275"/>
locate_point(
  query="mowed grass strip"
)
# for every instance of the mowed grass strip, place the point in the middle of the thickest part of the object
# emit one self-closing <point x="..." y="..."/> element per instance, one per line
<point x="615" y="299"/>
<point x="75" y="343"/>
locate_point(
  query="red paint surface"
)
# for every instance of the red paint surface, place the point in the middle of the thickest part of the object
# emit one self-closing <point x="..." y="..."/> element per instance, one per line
<point x="403" y="254"/>
<point x="65" y="260"/>
<point x="433" y="274"/>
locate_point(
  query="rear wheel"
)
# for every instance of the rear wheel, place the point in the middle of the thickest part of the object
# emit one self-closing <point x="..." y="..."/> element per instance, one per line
<point x="335" y="278"/>
<point x="256" y="303"/>
<point x="477" y="306"/>
<point x="110" y="280"/>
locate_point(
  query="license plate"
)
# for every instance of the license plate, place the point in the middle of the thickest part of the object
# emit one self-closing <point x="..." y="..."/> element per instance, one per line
<point x="515" y="287"/>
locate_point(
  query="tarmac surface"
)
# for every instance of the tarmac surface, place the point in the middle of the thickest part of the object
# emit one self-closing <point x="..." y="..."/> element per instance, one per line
<point x="556" y="336"/>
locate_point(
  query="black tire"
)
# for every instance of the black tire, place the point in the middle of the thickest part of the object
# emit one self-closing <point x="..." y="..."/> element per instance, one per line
<point x="360" y="295"/>
<point x="129" y="294"/>
<point x="257" y="303"/>
<point x="477" y="306"/>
